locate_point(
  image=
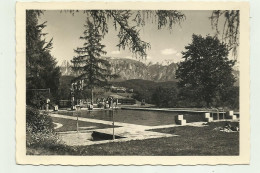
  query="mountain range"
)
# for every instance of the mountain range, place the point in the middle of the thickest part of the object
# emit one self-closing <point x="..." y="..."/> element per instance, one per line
<point x="133" y="69"/>
<point x="129" y="69"/>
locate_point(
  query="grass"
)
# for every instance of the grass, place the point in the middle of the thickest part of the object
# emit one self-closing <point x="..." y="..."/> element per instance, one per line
<point x="202" y="141"/>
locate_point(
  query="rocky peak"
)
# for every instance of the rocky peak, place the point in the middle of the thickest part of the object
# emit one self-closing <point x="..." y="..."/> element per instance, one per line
<point x="133" y="69"/>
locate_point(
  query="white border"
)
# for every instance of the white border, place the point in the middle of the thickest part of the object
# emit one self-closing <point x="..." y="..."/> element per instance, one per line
<point x="243" y="158"/>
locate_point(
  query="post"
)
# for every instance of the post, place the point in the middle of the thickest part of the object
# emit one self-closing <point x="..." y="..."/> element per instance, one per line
<point x="92" y="95"/>
<point x="77" y="122"/>
<point x="113" y="121"/>
<point x="77" y="112"/>
<point x="116" y="103"/>
<point x="113" y="125"/>
<point x="223" y="113"/>
<point x="217" y="113"/>
<point x="47" y="104"/>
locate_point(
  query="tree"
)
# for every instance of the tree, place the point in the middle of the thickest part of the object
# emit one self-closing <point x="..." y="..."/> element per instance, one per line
<point x="41" y="68"/>
<point x="206" y="71"/>
<point x="90" y="67"/>
<point x="165" y="97"/>
<point x="230" y="29"/>
<point x="128" y="21"/>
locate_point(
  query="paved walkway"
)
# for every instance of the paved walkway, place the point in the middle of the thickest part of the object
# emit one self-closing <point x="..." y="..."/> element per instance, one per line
<point x="126" y="130"/>
<point x="189" y="110"/>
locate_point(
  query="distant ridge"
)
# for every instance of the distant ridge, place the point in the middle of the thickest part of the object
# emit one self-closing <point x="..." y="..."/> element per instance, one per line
<point x="140" y="84"/>
<point x="133" y="69"/>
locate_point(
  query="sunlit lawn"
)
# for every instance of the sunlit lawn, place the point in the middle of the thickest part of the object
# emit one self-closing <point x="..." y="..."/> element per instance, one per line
<point x="191" y="141"/>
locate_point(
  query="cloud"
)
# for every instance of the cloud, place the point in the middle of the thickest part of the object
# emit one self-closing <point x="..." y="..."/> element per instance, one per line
<point x="178" y="54"/>
<point x="168" y="51"/>
<point x="115" y="52"/>
<point x="149" y="57"/>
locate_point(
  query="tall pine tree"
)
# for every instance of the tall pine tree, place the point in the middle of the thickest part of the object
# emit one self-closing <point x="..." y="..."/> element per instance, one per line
<point x="88" y="64"/>
<point x="42" y="71"/>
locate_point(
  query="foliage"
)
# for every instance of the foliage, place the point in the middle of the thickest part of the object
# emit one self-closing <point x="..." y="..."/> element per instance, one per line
<point x="100" y="105"/>
<point x="39" y="128"/>
<point x="42" y="138"/>
<point x="231" y="98"/>
<point x="186" y="99"/>
<point x="89" y="65"/>
<point x="37" y="98"/>
<point x="205" y="75"/>
<point x="38" y="121"/>
<point x="144" y="89"/>
<point x="127" y="23"/>
<point x="143" y="94"/>
<point x="64" y="87"/>
<point x="165" y="97"/>
<point x="230" y="31"/>
<point x="41" y="68"/>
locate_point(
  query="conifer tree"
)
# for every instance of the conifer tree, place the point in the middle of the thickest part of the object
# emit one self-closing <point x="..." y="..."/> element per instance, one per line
<point x="42" y="71"/>
<point x="88" y="64"/>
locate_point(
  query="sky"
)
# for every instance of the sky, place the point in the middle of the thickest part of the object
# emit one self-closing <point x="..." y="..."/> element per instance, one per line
<point x="166" y="45"/>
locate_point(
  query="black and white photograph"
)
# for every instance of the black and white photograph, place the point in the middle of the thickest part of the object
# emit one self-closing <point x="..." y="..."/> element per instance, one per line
<point x="126" y="81"/>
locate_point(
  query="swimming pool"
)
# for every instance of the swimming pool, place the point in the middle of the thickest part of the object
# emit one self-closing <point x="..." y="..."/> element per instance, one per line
<point x="139" y="117"/>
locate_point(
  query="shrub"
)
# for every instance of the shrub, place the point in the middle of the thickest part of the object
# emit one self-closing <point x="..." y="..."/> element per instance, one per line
<point x="38" y="121"/>
<point x="100" y="105"/>
<point x="43" y="138"/>
<point x="39" y="128"/>
<point x="165" y="97"/>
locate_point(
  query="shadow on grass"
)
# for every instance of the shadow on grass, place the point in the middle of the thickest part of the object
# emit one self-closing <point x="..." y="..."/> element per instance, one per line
<point x="192" y="141"/>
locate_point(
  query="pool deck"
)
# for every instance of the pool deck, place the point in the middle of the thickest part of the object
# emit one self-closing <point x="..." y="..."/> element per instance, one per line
<point x="126" y="130"/>
<point x="135" y="107"/>
<point x="173" y="110"/>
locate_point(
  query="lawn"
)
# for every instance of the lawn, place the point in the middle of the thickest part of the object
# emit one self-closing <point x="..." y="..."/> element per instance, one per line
<point x="202" y="141"/>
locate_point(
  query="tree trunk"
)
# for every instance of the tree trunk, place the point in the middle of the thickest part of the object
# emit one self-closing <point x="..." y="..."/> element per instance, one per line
<point x="208" y="104"/>
<point x="92" y="96"/>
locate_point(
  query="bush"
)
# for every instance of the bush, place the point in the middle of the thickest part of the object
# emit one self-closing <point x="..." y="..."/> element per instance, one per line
<point x="143" y="94"/>
<point x="38" y="121"/>
<point x="100" y="105"/>
<point x="39" y="128"/>
<point x="43" y="138"/>
<point x="165" y="97"/>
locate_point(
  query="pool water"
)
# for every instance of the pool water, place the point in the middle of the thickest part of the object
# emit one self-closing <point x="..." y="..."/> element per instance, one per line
<point x="139" y="117"/>
<point x="71" y="125"/>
